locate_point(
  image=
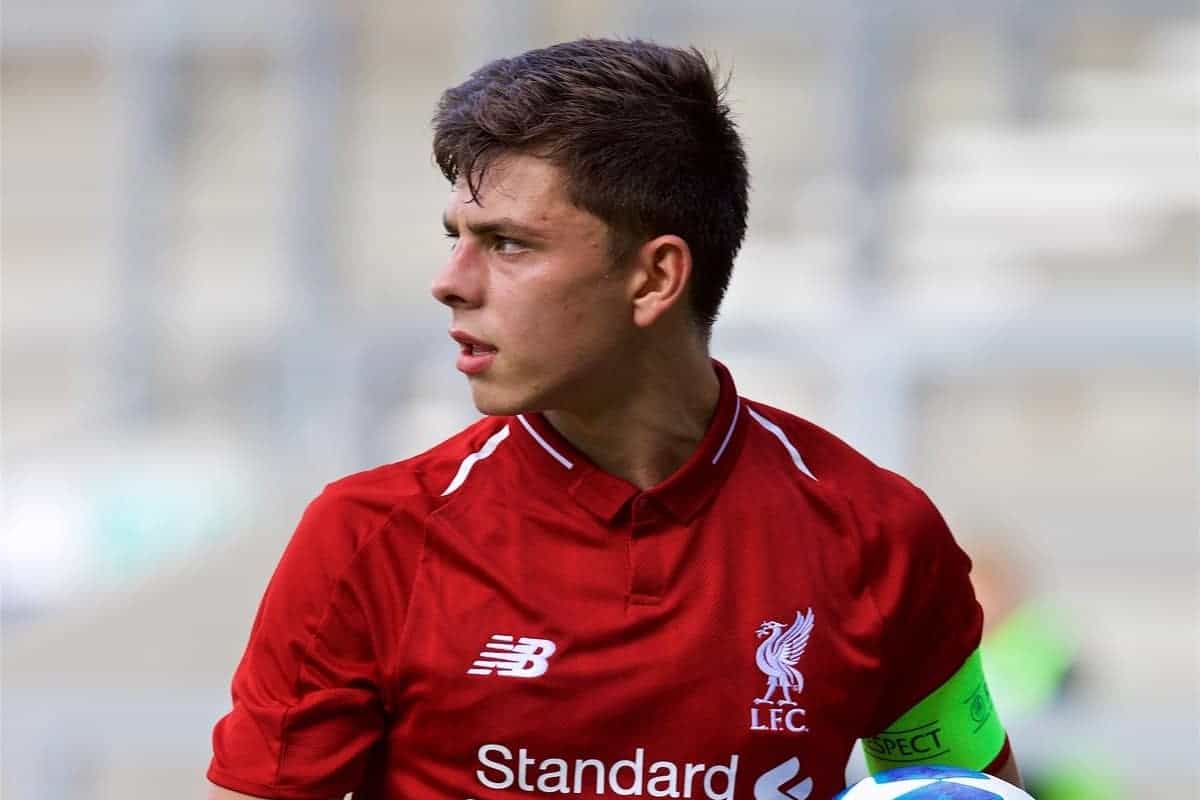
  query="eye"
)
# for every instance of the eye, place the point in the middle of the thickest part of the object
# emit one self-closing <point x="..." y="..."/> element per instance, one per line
<point x="453" y="237"/>
<point x="506" y="246"/>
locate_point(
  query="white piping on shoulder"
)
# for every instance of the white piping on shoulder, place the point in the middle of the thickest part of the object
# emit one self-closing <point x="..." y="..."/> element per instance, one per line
<point x="778" y="433"/>
<point x="464" y="469"/>
<point x="537" y="437"/>
<point x="729" y="433"/>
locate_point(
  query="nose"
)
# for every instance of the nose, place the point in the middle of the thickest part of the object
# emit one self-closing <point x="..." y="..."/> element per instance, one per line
<point x="459" y="284"/>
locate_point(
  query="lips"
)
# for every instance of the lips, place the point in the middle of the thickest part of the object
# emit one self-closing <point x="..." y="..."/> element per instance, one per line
<point x="470" y="345"/>
<point x="475" y="355"/>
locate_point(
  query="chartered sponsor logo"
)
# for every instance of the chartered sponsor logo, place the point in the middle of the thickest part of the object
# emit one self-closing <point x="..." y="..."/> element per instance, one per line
<point x="779" y="783"/>
<point x="524" y="658"/>
<point x="503" y="768"/>
<point x="777" y="656"/>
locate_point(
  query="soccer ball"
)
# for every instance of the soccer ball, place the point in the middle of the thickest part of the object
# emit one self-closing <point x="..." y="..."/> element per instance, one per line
<point x="932" y="783"/>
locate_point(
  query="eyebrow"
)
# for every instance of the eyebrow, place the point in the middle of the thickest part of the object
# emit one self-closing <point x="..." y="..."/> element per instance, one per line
<point x="504" y="225"/>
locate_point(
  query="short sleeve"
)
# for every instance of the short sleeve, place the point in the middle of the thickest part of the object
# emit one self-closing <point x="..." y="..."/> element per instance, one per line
<point x="920" y="579"/>
<point x="306" y="702"/>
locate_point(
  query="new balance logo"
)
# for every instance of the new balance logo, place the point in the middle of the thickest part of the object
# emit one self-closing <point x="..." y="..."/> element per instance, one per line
<point x="524" y="658"/>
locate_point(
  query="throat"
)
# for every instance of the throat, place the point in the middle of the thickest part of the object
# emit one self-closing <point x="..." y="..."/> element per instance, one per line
<point x="642" y="448"/>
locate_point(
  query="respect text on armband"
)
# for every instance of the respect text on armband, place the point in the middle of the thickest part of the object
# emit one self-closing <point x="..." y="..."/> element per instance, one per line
<point x="913" y="745"/>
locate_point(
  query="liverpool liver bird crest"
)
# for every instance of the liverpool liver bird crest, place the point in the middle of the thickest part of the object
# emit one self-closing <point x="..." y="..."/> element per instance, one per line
<point x="777" y="656"/>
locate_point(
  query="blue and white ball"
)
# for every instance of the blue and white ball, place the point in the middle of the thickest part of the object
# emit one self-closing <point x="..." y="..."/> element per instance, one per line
<point x="932" y="783"/>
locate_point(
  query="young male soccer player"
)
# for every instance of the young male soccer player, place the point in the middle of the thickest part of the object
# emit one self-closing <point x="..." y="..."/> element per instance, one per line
<point x="625" y="580"/>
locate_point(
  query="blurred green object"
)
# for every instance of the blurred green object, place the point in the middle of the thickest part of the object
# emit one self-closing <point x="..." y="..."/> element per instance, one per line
<point x="144" y="521"/>
<point x="1027" y="657"/>
<point x="1076" y="781"/>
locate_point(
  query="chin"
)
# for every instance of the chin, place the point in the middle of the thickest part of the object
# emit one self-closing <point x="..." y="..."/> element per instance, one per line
<point x="493" y="402"/>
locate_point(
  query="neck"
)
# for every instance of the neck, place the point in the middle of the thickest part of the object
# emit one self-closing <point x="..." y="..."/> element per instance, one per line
<point x="653" y="414"/>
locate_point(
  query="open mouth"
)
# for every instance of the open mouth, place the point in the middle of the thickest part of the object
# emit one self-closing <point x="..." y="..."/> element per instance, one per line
<point x="475" y="356"/>
<point x="471" y="346"/>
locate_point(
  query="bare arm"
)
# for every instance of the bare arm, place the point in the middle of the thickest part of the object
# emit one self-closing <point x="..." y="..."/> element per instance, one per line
<point x="1008" y="772"/>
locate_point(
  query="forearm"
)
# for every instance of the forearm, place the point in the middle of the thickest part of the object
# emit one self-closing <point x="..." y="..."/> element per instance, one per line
<point x="1008" y="771"/>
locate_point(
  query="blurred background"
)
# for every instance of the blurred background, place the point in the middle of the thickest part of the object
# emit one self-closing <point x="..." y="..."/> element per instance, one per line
<point x="973" y="252"/>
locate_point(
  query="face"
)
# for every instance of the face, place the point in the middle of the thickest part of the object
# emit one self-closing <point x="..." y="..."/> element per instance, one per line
<point x="540" y="313"/>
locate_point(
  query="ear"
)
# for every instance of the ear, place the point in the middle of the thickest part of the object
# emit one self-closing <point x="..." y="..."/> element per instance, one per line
<point x="661" y="270"/>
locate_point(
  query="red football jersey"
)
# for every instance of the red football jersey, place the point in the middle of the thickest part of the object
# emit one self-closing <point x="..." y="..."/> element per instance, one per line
<point x="499" y="618"/>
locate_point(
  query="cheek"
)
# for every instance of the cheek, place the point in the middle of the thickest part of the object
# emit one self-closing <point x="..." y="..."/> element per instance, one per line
<point x="559" y="319"/>
<point x="545" y="310"/>
<point x="595" y="310"/>
<point x="560" y="326"/>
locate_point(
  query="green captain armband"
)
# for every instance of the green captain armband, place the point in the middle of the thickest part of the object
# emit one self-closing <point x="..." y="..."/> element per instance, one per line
<point x="955" y="726"/>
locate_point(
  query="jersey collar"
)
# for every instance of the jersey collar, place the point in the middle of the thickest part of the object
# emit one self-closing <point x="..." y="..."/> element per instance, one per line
<point x="683" y="494"/>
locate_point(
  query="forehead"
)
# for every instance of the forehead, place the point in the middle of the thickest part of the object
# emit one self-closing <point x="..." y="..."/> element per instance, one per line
<point x="518" y="186"/>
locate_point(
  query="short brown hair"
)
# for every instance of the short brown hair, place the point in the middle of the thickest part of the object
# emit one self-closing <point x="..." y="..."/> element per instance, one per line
<point x="642" y="131"/>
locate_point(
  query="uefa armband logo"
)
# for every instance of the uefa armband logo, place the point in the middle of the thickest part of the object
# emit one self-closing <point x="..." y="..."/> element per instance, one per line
<point x="777" y="656"/>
